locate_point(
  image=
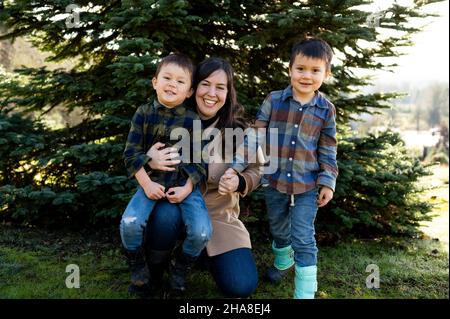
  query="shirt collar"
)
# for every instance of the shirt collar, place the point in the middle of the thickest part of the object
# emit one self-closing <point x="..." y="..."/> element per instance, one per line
<point x="177" y="110"/>
<point x="318" y="99"/>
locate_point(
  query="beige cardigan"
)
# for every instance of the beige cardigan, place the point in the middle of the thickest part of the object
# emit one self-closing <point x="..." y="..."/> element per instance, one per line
<point x="228" y="231"/>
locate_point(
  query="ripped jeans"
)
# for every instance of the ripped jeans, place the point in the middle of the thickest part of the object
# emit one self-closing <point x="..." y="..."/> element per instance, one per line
<point x="194" y="216"/>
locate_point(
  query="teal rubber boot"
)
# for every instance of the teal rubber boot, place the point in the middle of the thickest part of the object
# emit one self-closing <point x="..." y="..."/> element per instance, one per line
<point x="305" y="282"/>
<point x="284" y="260"/>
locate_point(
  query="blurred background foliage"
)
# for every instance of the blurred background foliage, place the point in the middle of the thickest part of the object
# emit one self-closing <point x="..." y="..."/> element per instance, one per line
<point x="96" y="74"/>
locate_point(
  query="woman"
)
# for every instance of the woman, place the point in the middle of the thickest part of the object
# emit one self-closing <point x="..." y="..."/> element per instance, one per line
<point x="229" y="251"/>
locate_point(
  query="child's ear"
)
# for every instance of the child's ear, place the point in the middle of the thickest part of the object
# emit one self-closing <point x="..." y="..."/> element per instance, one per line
<point x="154" y="82"/>
<point x="327" y="74"/>
<point x="191" y="90"/>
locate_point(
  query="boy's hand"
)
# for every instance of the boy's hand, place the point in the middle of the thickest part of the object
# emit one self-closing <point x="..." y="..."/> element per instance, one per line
<point x="229" y="182"/>
<point x="325" y="195"/>
<point x="163" y="159"/>
<point x="154" y="190"/>
<point x="176" y="195"/>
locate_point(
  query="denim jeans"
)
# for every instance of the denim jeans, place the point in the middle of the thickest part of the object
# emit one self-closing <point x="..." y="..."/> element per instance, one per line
<point x="293" y="225"/>
<point x="194" y="215"/>
<point x="234" y="272"/>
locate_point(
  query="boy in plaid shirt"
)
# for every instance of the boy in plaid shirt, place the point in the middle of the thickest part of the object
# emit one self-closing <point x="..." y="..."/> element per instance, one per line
<point x="151" y="127"/>
<point x="307" y="168"/>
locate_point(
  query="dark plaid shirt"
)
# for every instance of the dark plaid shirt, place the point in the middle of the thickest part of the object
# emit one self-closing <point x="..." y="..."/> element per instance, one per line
<point x="307" y="144"/>
<point x="153" y="123"/>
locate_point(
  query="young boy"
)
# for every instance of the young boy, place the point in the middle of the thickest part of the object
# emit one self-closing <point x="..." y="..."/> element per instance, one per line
<point x="151" y="126"/>
<point x="307" y="167"/>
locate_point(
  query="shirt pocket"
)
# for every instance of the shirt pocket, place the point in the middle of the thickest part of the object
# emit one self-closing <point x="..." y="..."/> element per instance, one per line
<point x="310" y="128"/>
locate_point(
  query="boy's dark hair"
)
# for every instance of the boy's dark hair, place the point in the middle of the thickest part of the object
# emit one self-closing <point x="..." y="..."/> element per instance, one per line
<point x="312" y="48"/>
<point x="182" y="60"/>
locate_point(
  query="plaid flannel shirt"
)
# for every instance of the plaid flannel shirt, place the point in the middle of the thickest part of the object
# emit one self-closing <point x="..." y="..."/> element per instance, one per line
<point x="307" y="143"/>
<point x="153" y="123"/>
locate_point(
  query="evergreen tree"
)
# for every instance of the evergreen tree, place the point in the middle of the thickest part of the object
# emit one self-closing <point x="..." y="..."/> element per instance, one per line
<point x="77" y="174"/>
<point x="5" y="48"/>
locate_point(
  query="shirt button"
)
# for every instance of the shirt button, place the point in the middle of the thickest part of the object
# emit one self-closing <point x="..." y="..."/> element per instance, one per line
<point x="296" y="125"/>
<point x="290" y="158"/>
<point x="300" y="109"/>
<point x="288" y="174"/>
<point x="293" y="142"/>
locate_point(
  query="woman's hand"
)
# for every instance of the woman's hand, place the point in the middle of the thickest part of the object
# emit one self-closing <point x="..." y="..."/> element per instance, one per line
<point x="163" y="159"/>
<point x="229" y="182"/>
<point x="176" y="195"/>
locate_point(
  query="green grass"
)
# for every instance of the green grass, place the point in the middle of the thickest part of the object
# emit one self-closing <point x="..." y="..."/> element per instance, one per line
<point x="33" y="264"/>
<point x="408" y="269"/>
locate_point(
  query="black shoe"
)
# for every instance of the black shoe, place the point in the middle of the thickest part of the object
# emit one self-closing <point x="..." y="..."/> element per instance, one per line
<point x="178" y="272"/>
<point x="275" y="275"/>
<point x="140" y="275"/>
<point x="144" y="292"/>
<point x="158" y="262"/>
<point x="203" y="262"/>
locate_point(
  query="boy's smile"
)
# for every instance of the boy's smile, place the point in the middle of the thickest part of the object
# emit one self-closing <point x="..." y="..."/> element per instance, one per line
<point x="307" y="75"/>
<point x="172" y="85"/>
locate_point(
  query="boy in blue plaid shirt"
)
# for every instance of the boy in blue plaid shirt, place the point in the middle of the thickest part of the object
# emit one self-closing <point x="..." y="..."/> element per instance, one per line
<point x="306" y="172"/>
<point x="151" y="127"/>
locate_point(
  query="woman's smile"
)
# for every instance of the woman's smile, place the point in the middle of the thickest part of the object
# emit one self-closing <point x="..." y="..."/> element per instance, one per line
<point x="211" y="94"/>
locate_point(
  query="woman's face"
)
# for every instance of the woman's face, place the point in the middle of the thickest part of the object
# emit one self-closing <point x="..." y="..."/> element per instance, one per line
<point x="211" y="94"/>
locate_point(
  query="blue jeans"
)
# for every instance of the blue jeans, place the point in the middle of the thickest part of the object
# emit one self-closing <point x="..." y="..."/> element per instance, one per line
<point x="194" y="215"/>
<point x="234" y="272"/>
<point x="293" y="225"/>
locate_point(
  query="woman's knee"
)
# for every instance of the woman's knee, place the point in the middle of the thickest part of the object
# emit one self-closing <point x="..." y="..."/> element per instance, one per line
<point x="235" y="273"/>
<point x="240" y="288"/>
<point x="164" y="226"/>
<point x="165" y="218"/>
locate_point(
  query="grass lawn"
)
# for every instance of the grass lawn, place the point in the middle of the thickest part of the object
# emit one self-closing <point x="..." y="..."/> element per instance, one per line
<point x="33" y="263"/>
